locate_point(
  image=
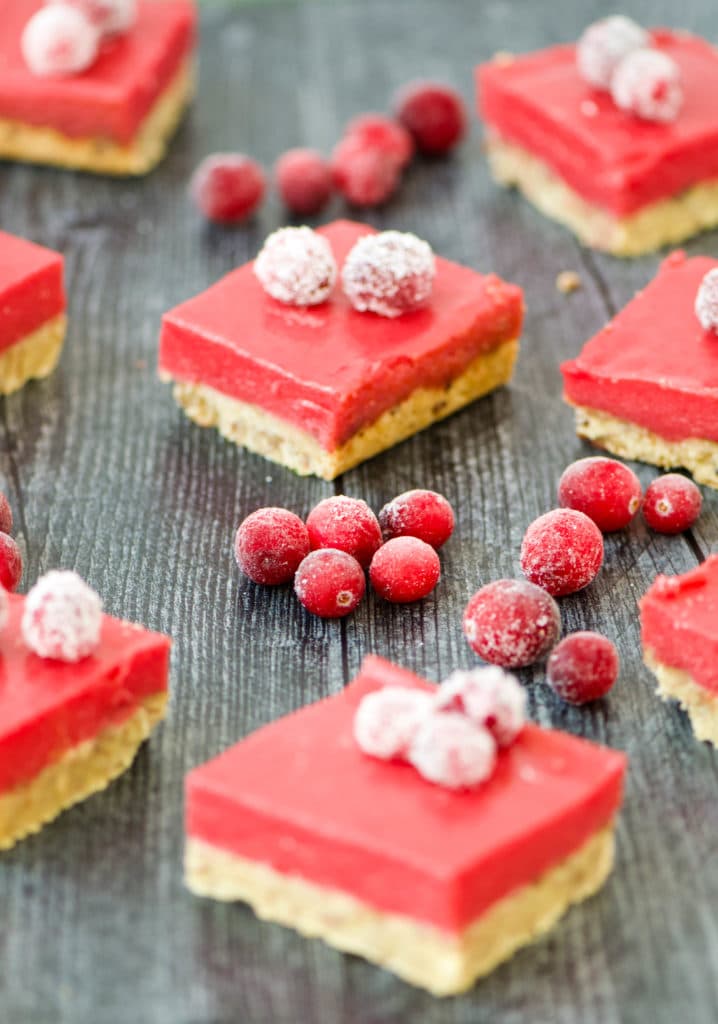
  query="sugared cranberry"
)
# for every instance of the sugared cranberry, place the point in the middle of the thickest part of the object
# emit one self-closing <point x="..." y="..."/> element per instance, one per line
<point x="449" y="750"/>
<point x="583" y="667"/>
<point x="10" y="562"/>
<point x="423" y="514"/>
<point x="433" y="113"/>
<point x="562" y="551"/>
<point x="59" y="40"/>
<point x="228" y="187"/>
<point x="648" y="83"/>
<point x="330" y="583"/>
<point x="62" y="618"/>
<point x="386" y="721"/>
<point x="269" y="545"/>
<point x="296" y="266"/>
<point x="404" y="569"/>
<point x="389" y="273"/>
<point x="4" y="608"/>
<point x="512" y="623"/>
<point x="347" y="524"/>
<point x="377" y="131"/>
<point x="365" y="175"/>
<point x="672" y="503"/>
<point x="603" y="46"/>
<point x="707" y="301"/>
<point x="5" y="515"/>
<point x="304" y="181"/>
<point x="109" y="17"/>
<point x="605" y="490"/>
<point x="490" y="697"/>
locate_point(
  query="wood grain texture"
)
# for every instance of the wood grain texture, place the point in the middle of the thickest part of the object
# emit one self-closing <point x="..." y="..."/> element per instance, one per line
<point x="107" y="477"/>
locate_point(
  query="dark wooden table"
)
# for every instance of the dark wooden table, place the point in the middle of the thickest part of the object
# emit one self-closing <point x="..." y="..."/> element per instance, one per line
<point x="107" y="477"/>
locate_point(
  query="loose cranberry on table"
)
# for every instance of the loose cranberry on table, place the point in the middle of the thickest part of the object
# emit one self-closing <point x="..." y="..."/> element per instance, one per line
<point x="423" y="514"/>
<point x="672" y="503"/>
<point x="583" y="667"/>
<point x="512" y="623"/>
<point x="377" y="131"/>
<point x="365" y="175"/>
<point x="228" y="187"/>
<point x="605" y="490"/>
<point x="5" y="515"/>
<point x="59" y="40"/>
<point x="304" y="181"/>
<point x="269" y="545"/>
<point x="347" y="524"/>
<point x="330" y="583"/>
<point x="404" y="569"/>
<point x="433" y="113"/>
<point x="389" y="273"/>
<point x="10" y="563"/>
<point x="562" y="551"/>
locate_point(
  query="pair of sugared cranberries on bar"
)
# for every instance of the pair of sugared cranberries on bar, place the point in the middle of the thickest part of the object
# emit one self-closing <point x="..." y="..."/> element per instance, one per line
<point x="322" y="388"/>
<point x="436" y="883"/>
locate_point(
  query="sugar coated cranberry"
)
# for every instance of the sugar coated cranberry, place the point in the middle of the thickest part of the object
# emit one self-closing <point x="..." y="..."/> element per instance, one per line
<point x="583" y="667"/>
<point x="5" y="515"/>
<point x="365" y="175"/>
<point x="404" y="569"/>
<point x="449" y="750"/>
<point x="648" y="83"/>
<point x="490" y="697"/>
<point x="389" y="273"/>
<point x="59" y="40"/>
<point x="423" y="514"/>
<point x="672" y="503"/>
<point x="4" y="608"/>
<point x="386" y="721"/>
<point x="228" y="187"/>
<point x="269" y="545"/>
<point x="562" y="551"/>
<point x="707" y="301"/>
<point x="377" y="131"/>
<point x="10" y="562"/>
<point x="605" y="490"/>
<point x="603" y="46"/>
<point x="109" y="17"/>
<point x="330" y="583"/>
<point x="512" y="623"/>
<point x="304" y="181"/>
<point x="296" y="266"/>
<point x="347" y="524"/>
<point x="62" y="618"/>
<point x="434" y="114"/>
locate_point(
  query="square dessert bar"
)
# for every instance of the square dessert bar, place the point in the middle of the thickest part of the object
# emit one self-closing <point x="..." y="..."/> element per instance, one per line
<point x="646" y="386"/>
<point x="621" y="184"/>
<point x="679" y="632"/>
<point x="32" y="311"/>
<point x="114" y="118"/>
<point x="322" y="389"/>
<point x="437" y="885"/>
<point x="68" y="729"/>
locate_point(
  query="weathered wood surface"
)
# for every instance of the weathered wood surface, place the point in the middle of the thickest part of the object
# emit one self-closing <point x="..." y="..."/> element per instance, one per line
<point x="107" y="477"/>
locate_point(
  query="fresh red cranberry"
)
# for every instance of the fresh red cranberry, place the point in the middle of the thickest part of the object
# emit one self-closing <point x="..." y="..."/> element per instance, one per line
<point x="583" y="667"/>
<point x="228" y="187"/>
<point x="603" y="489"/>
<point x="269" y="545"/>
<point x="404" y="569"/>
<point x="10" y="562"/>
<point x="365" y="175"/>
<point x="377" y="131"/>
<point x="511" y="623"/>
<point x="304" y="181"/>
<point x="330" y="583"/>
<point x="347" y="524"/>
<point x="5" y="515"/>
<point x="423" y="514"/>
<point x="562" y="551"/>
<point x="434" y="114"/>
<point x="672" y="503"/>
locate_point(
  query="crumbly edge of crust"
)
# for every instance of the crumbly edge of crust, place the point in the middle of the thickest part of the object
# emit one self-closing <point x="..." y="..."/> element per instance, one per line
<point x="700" y="704"/>
<point x="631" y="441"/>
<point x="44" y="145"/>
<point x="268" y="435"/>
<point x="658" y="224"/>
<point x="81" y="771"/>
<point x="34" y="356"/>
<point x="419" y="953"/>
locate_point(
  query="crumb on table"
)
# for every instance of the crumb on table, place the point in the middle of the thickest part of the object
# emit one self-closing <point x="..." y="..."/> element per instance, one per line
<point x="568" y="281"/>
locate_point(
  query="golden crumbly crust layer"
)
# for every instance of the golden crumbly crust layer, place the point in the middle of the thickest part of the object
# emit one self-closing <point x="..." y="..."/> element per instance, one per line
<point x="35" y="356"/>
<point x="39" y="145"/>
<point x="698" y="455"/>
<point x="275" y="439"/>
<point x="421" y="954"/>
<point x="662" y="223"/>
<point x="80" y="772"/>
<point x="700" y="705"/>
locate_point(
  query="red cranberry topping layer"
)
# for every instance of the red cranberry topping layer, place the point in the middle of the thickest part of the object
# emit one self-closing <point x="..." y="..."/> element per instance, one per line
<point x="377" y="131"/>
<point x="62" y="617"/>
<point x="490" y="697"/>
<point x="59" y="40"/>
<point x="296" y="266"/>
<point x="449" y="750"/>
<point x="603" y="46"/>
<point x="672" y="503"/>
<point x="304" y="181"/>
<point x="605" y="490"/>
<point x="330" y="583"/>
<point x="365" y="175"/>
<point x="423" y="514"/>
<point x="347" y="524"/>
<point x="562" y="551"/>
<point x="648" y="83"/>
<point x="109" y="17"/>
<point x="10" y="563"/>
<point x="228" y="187"/>
<point x="405" y="569"/>
<point x="387" y="720"/>
<point x="389" y="273"/>
<point x="583" y="667"/>
<point x="707" y="302"/>
<point x="512" y="623"/>
<point x="433" y="113"/>
<point x="5" y="515"/>
<point x="269" y="545"/>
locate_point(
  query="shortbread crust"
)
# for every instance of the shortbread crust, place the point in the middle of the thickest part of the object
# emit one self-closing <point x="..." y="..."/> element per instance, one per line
<point x="700" y="704"/>
<point x="35" y="356"/>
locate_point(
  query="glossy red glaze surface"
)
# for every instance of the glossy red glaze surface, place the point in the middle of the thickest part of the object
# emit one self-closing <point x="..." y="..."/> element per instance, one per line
<point x="300" y="796"/>
<point x="31" y="288"/>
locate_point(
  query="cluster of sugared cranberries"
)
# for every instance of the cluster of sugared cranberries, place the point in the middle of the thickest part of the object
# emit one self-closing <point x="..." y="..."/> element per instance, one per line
<point x="327" y="557"/>
<point x="10" y="557"/>
<point x="64" y="37"/>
